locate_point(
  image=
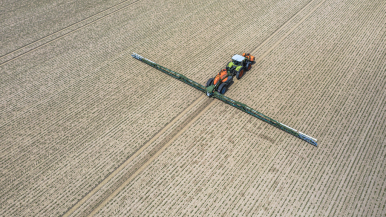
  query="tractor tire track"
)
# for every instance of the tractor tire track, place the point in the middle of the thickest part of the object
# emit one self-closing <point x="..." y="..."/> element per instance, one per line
<point x="61" y="33"/>
<point x="289" y="32"/>
<point x="149" y="158"/>
<point x="138" y="164"/>
<point x="282" y="26"/>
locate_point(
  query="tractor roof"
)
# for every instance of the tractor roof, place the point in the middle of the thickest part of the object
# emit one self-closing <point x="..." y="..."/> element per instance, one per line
<point x="238" y="58"/>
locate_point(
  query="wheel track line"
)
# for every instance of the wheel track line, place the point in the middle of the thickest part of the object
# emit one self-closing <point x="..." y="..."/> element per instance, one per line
<point x="116" y="191"/>
<point x="82" y="142"/>
<point x="282" y="26"/>
<point x="59" y="31"/>
<point x="190" y="120"/>
<point x="289" y="32"/>
<point x="122" y="166"/>
<point x="77" y="112"/>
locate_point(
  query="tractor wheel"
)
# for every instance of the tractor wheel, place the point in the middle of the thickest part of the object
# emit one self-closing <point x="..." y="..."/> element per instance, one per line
<point x="240" y="74"/>
<point x="229" y="80"/>
<point x="210" y="82"/>
<point x="222" y="88"/>
<point x="249" y="66"/>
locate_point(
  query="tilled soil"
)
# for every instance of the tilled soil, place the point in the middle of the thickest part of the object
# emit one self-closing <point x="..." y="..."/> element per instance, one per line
<point x="75" y="106"/>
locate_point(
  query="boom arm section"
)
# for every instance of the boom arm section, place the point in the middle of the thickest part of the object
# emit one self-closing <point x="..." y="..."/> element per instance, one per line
<point x="230" y="101"/>
<point x="170" y="72"/>
<point x="267" y="119"/>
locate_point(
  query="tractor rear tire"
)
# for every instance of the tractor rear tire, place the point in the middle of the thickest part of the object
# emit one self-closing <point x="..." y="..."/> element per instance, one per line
<point x="249" y="66"/>
<point x="209" y="82"/>
<point x="240" y="74"/>
<point x="222" y="88"/>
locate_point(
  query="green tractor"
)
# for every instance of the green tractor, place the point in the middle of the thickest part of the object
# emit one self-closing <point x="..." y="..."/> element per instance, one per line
<point x="237" y="67"/>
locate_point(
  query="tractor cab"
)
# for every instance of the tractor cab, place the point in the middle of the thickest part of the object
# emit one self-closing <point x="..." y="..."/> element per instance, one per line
<point x="238" y="65"/>
<point x="238" y="60"/>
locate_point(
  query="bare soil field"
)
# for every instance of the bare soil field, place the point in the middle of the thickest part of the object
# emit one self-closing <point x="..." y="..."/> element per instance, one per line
<point x="28" y="24"/>
<point x="87" y="130"/>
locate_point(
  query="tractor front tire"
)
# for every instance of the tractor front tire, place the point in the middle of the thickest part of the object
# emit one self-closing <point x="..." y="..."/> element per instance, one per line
<point x="222" y="88"/>
<point x="240" y="74"/>
<point x="209" y="82"/>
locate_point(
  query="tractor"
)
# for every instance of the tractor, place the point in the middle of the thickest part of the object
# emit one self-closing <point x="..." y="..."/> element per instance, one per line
<point x="237" y="67"/>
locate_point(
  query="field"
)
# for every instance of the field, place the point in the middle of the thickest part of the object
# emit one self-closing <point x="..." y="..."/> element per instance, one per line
<point x="88" y="130"/>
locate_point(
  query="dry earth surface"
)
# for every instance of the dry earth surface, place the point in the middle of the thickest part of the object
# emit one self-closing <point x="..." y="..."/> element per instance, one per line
<point x="87" y="130"/>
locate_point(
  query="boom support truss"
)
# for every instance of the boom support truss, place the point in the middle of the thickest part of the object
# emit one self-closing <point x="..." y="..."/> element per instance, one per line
<point x="229" y="101"/>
